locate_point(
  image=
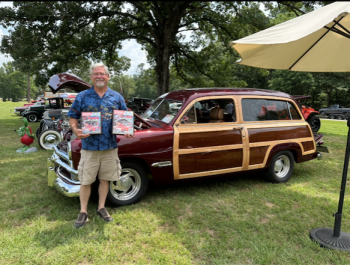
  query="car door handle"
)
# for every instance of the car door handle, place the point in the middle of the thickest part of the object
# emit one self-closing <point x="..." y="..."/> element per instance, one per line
<point x="240" y="128"/>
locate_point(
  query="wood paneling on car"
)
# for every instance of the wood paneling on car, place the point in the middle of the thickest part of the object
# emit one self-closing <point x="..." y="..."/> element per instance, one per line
<point x="308" y="145"/>
<point x="206" y="139"/>
<point x="277" y="133"/>
<point x="257" y="155"/>
<point x="199" y="162"/>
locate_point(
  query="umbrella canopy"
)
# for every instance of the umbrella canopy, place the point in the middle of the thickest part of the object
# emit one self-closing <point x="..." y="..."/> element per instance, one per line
<point x="318" y="41"/>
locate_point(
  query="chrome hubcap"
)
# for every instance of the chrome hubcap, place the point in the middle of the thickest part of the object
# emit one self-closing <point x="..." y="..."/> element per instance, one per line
<point x="282" y="166"/>
<point x="50" y="140"/>
<point x="128" y="185"/>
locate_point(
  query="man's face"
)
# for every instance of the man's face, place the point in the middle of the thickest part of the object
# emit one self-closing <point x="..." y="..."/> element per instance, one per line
<point x="99" y="77"/>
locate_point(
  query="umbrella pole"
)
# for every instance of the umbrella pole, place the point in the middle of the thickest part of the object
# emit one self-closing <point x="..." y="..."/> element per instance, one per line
<point x="327" y="237"/>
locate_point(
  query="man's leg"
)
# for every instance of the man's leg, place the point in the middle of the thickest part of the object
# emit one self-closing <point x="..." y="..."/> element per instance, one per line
<point x="102" y="193"/>
<point x="85" y="191"/>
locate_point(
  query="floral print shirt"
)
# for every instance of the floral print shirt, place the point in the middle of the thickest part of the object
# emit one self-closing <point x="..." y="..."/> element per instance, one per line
<point x="89" y="100"/>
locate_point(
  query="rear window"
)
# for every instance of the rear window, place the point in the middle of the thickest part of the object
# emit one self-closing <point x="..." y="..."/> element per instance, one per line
<point x="267" y="110"/>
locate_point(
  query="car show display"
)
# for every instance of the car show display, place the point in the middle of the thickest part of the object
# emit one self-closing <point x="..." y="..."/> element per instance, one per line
<point x="123" y="122"/>
<point x="91" y="122"/>
<point x="55" y="121"/>
<point x="265" y="131"/>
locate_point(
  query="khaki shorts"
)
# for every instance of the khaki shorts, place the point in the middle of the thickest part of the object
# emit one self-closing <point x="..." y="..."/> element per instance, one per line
<point x="104" y="163"/>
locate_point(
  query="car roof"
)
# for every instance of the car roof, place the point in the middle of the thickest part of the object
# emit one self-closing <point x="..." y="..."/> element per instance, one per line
<point x="192" y="93"/>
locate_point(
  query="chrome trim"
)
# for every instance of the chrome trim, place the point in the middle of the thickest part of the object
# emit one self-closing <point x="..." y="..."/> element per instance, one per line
<point x="59" y="174"/>
<point x="162" y="164"/>
<point x="66" y="189"/>
<point x="51" y="176"/>
<point x="69" y="151"/>
<point x="57" y="155"/>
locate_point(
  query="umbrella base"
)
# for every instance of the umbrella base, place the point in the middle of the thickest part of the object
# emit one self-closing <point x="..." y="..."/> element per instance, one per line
<point x="324" y="237"/>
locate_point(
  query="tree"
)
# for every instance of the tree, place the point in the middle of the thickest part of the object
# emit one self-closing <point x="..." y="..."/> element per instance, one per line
<point x="12" y="83"/>
<point x="123" y="84"/>
<point x="61" y="32"/>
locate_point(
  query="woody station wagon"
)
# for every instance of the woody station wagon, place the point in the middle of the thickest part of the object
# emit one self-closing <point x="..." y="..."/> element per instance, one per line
<point x="211" y="132"/>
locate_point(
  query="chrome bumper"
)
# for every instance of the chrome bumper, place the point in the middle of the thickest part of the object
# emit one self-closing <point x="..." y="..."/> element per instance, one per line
<point x="67" y="187"/>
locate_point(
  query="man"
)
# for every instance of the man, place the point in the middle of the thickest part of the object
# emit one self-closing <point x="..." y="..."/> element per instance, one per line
<point x="229" y="108"/>
<point x="99" y="154"/>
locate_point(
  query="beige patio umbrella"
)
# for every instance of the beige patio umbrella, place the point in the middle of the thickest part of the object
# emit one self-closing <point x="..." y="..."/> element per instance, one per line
<point x="318" y="41"/>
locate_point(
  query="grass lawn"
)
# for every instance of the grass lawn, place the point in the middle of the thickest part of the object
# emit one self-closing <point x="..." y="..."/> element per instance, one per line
<point x="234" y="220"/>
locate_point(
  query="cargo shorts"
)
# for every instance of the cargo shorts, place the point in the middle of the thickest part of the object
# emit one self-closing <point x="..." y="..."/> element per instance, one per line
<point x="105" y="164"/>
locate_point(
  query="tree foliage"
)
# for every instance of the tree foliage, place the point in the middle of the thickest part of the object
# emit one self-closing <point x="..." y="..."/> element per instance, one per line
<point x="13" y="83"/>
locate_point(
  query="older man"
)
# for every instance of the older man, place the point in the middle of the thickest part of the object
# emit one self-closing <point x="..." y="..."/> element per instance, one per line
<point x="99" y="154"/>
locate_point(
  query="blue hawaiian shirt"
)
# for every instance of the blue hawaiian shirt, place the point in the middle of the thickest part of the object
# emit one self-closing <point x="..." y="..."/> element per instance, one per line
<point x="89" y="100"/>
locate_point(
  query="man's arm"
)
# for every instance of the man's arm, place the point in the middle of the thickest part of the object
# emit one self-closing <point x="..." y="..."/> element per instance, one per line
<point x="74" y="124"/>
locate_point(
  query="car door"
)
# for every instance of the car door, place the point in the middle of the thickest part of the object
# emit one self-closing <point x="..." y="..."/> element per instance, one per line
<point x="210" y="148"/>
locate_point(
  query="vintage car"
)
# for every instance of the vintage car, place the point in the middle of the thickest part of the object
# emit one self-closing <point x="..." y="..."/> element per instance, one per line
<point x="139" y="105"/>
<point x="19" y="110"/>
<point x="53" y="122"/>
<point x="266" y="132"/>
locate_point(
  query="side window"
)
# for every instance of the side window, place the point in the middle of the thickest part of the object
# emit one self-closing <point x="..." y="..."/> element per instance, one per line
<point x="267" y="110"/>
<point x="254" y="109"/>
<point x="293" y="112"/>
<point x="189" y="117"/>
<point x="277" y="110"/>
<point x="211" y="111"/>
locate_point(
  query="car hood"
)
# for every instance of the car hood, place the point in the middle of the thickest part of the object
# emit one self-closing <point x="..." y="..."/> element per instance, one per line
<point x="67" y="80"/>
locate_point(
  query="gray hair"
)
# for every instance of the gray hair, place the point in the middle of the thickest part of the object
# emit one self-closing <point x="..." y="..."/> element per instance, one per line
<point x="99" y="65"/>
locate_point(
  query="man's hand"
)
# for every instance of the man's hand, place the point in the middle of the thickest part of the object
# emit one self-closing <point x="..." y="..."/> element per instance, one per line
<point x="130" y="136"/>
<point x="79" y="134"/>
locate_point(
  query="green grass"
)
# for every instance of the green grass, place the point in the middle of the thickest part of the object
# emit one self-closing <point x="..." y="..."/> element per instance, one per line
<point x="235" y="220"/>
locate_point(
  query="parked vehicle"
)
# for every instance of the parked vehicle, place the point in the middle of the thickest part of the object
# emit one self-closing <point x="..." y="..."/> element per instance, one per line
<point x="19" y="110"/>
<point x="335" y="111"/>
<point x="266" y="132"/>
<point x="139" y="105"/>
<point x="309" y="113"/>
<point x="55" y="121"/>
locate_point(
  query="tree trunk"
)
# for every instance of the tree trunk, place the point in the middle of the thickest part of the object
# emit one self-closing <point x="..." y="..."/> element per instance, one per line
<point x="162" y="71"/>
<point x="28" y="88"/>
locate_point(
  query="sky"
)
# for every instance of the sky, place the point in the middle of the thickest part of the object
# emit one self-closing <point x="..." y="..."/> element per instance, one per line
<point x="131" y="49"/>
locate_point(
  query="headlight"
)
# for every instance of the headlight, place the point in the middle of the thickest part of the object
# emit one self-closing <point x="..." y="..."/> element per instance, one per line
<point x="69" y="151"/>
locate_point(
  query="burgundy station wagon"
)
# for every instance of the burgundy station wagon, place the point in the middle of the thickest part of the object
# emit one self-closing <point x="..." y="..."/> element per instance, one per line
<point x="196" y="133"/>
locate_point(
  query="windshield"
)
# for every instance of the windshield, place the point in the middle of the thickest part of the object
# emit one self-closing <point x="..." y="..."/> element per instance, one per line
<point x="37" y="104"/>
<point x="163" y="109"/>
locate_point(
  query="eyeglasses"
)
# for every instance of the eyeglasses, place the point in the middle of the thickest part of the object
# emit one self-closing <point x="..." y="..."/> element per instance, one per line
<point x="99" y="74"/>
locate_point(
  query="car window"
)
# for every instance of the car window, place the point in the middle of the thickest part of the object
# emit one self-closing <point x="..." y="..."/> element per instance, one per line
<point x="267" y="110"/>
<point x="293" y="112"/>
<point x="163" y="110"/>
<point x="211" y="111"/>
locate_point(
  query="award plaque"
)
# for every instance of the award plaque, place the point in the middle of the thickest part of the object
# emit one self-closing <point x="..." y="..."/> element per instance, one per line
<point x="123" y="122"/>
<point x="91" y="122"/>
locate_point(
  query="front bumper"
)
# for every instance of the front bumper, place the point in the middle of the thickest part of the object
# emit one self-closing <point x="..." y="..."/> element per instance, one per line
<point x="62" y="175"/>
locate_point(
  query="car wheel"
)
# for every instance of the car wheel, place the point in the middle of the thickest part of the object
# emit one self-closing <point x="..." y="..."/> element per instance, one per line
<point x="136" y="185"/>
<point x="331" y="117"/>
<point x="48" y="139"/>
<point x="315" y="123"/>
<point x="32" y="118"/>
<point x="340" y="117"/>
<point x="281" y="167"/>
<point x="323" y="113"/>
